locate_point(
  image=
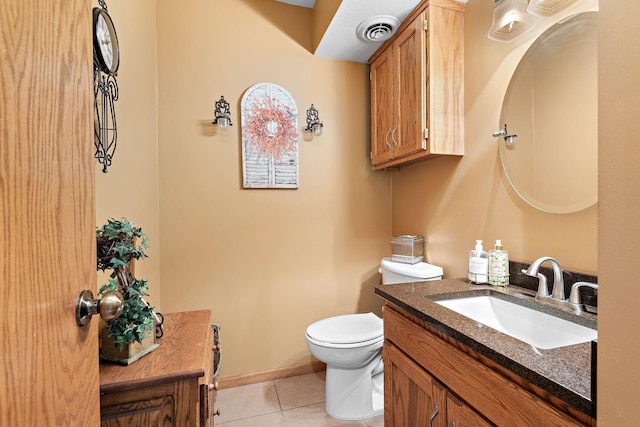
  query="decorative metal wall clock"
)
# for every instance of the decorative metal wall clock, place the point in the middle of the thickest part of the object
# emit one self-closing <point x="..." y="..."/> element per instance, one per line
<point x="106" y="60"/>
<point x="269" y="137"/>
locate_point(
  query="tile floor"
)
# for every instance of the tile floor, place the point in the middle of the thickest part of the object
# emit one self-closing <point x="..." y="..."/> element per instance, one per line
<point x="296" y="402"/>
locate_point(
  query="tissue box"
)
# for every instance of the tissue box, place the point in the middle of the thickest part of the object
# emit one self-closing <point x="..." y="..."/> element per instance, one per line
<point x="407" y="249"/>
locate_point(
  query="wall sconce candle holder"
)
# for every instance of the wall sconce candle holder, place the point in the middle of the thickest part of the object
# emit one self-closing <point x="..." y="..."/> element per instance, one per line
<point x="223" y="114"/>
<point x="314" y="125"/>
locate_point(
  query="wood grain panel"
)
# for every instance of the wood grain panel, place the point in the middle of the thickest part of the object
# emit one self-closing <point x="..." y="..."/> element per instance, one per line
<point x="411" y="395"/>
<point x="427" y="91"/>
<point x="151" y="412"/>
<point x="382" y="108"/>
<point x="446" y="77"/>
<point x="49" y="373"/>
<point x="460" y="415"/>
<point x="410" y="55"/>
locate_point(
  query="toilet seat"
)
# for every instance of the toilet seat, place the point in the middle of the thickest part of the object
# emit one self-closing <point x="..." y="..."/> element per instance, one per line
<point x="347" y="331"/>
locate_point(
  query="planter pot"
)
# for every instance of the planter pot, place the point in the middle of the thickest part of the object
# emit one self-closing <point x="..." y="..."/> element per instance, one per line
<point x="109" y="351"/>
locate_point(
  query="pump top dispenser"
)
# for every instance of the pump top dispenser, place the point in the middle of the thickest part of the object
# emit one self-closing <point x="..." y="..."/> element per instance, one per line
<point x="498" y="265"/>
<point x="478" y="264"/>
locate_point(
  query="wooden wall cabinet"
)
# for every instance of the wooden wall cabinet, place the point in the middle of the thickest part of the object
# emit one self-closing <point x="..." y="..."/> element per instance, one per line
<point x="432" y="382"/>
<point x="171" y="386"/>
<point x="417" y="88"/>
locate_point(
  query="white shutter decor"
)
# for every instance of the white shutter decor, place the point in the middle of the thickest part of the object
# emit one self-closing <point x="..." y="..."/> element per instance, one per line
<point x="269" y="137"/>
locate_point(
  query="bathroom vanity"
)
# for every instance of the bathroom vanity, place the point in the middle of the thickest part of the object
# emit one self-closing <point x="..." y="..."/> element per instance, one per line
<point x="444" y="369"/>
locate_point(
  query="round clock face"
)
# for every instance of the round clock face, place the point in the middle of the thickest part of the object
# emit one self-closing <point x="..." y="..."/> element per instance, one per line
<point x="105" y="42"/>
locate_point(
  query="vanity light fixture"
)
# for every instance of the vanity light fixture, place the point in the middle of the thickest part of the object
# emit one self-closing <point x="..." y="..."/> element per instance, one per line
<point x="510" y="20"/>
<point x="223" y="114"/>
<point x="509" y="139"/>
<point x="314" y="125"/>
<point x="546" y="8"/>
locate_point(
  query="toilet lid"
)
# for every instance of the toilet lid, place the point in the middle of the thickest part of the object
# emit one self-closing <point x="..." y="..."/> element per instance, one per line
<point x="348" y="328"/>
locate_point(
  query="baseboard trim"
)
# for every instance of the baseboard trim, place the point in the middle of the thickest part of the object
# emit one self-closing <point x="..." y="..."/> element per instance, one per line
<point x="273" y="374"/>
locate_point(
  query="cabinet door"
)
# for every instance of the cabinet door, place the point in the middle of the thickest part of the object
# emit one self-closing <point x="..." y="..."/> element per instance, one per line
<point x="382" y="112"/>
<point x="152" y="412"/>
<point x="410" y="101"/>
<point x="147" y="406"/>
<point x="461" y="415"/>
<point x="412" y="398"/>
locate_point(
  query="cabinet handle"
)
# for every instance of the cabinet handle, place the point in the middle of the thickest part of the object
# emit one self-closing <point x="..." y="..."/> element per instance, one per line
<point x="433" y="416"/>
<point x="453" y="424"/>
<point x="386" y="138"/>
<point x="393" y="132"/>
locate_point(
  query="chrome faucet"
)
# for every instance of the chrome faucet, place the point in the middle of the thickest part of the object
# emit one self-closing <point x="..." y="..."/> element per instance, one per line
<point x="558" y="280"/>
<point x="574" y="295"/>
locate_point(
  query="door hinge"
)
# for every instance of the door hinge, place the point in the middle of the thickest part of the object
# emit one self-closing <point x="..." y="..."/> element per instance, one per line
<point x="426" y="25"/>
<point x="426" y="133"/>
<point x="370" y="78"/>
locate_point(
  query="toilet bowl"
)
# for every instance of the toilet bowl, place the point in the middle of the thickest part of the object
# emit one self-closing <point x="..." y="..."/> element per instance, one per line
<point x="351" y="346"/>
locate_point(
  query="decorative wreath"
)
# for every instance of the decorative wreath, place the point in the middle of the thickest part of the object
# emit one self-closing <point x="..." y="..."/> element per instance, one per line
<point x="269" y="128"/>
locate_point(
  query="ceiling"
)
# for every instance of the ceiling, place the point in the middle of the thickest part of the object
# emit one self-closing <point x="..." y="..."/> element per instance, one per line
<point x="340" y="40"/>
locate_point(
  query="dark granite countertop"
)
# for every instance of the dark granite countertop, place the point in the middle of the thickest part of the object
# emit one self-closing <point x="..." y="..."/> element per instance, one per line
<point x="564" y="372"/>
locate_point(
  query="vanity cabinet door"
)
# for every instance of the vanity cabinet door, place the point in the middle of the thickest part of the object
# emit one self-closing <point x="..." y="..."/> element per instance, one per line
<point x="461" y="415"/>
<point x="412" y="397"/>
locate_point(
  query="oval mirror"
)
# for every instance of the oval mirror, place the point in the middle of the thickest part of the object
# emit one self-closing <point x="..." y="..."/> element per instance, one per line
<point x="551" y="105"/>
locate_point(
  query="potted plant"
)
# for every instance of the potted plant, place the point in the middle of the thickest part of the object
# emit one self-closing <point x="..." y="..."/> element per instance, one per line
<point x="131" y="335"/>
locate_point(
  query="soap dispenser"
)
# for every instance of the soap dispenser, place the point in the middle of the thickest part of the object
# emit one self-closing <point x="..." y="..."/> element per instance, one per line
<point x="478" y="264"/>
<point x="498" y="265"/>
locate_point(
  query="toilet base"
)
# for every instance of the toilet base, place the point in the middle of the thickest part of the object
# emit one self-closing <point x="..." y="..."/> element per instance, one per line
<point x="354" y="394"/>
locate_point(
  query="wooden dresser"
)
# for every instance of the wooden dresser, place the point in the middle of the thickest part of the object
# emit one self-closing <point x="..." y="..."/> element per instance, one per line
<point x="171" y="386"/>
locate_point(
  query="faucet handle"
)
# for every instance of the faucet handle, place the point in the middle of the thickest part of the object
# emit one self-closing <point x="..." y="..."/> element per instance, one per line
<point x="543" y="288"/>
<point x="574" y="295"/>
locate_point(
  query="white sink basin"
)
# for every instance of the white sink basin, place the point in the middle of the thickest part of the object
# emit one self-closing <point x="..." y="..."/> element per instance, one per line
<point x="539" y="329"/>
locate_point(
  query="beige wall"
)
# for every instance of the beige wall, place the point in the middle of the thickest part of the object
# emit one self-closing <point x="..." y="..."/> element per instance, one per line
<point x="454" y="201"/>
<point x="313" y="252"/>
<point x="619" y="232"/>
<point x="130" y="187"/>
<point x="267" y="262"/>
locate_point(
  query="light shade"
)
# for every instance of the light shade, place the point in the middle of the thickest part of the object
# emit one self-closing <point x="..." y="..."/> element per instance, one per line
<point x="547" y="8"/>
<point x="510" y="20"/>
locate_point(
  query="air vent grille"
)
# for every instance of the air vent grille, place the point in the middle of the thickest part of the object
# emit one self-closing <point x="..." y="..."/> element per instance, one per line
<point x="377" y="28"/>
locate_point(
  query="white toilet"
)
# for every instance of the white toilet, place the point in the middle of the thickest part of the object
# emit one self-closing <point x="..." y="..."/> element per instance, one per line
<point x="351" y="346"/>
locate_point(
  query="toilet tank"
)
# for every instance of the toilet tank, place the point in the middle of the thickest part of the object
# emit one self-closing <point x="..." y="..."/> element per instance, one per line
<point x="398" y="272"/>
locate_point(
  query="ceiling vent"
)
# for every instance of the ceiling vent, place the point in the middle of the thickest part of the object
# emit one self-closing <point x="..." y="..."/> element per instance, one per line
<point x="377" y="28"/>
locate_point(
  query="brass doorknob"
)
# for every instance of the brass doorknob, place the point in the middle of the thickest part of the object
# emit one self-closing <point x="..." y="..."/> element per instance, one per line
<point x="109" y="306"/>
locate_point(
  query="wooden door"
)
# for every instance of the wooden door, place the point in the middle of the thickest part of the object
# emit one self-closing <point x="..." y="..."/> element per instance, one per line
<point x="382" y="113"/>
<point x="49" y="374"/>
<point x="412" y="398"/>
<point x="410" y="55"/>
